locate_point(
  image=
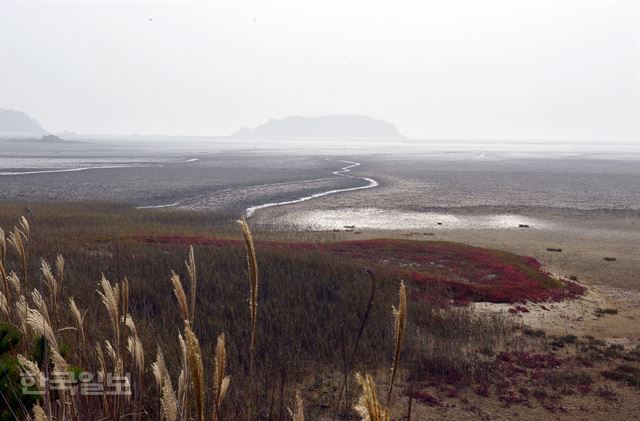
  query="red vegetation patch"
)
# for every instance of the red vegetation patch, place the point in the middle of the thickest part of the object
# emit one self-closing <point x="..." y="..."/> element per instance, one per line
<point x="440" y="272"/>
<point x="462" y="273"/>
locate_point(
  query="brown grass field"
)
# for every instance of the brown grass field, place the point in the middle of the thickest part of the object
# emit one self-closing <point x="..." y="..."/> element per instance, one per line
<point x="277" y="329"/>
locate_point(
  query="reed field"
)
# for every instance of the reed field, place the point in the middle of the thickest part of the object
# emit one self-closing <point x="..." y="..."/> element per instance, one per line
<point x="178" y="316"/>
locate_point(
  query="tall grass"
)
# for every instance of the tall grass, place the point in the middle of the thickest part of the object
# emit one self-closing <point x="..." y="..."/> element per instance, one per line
<point x="309" y="305"/>
<point x="252" y="264"/>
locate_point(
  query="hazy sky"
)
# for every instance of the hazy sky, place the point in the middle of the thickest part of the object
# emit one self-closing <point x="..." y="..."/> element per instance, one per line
<point x="444" y="69"/>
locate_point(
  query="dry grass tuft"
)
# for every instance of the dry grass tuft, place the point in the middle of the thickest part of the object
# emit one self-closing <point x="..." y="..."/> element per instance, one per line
<point x="252" y="263"/>
<point x="368" y="405"/>
<point x="14" y="281"/>
<point x="4" y="305"/>
<point x="134" y="345"/>
<point x="181" y="296"/>
<point x="297" y="413"/>
<point x="51" y="283"/>
<point x="18" y="240"/>
<point x="191" y="270"/>
<point x="77" y="317"/>
<point x="194" y="360"/>
<point x="40" y="324"/>
<point x="38" y="413"/>
<point x="24" y="225"/>
<point x="221" y="381"/>
<point x="102" y="363"/>
<point x="183" y="379"/>
<point x="110" y="296"/>
<point x="168" y="401"/>
<point x="3" y="246"/>
<point x="31" y="369"/>
<point x="60" y="267"/>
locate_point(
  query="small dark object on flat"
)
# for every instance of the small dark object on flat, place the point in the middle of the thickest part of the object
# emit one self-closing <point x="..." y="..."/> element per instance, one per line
<point x="602" y="311"/>
<point x="610" y="259"/>
<point x="554" y="249"/>
<point x="439" y="223"/>
<point x="573" y="278"/>
<point x="523" y="226"/>
<point x="427" y="233"/>
<point x="357" y="232"/>
<point x="349" y="226"/>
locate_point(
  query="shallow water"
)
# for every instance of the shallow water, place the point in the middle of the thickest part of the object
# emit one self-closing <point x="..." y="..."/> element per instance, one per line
<point x="376" y="218"/>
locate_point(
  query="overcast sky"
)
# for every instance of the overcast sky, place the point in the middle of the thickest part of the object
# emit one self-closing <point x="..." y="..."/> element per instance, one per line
<point x="530" y="70"/>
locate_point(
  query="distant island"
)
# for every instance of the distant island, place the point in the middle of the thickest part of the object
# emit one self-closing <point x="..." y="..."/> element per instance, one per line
<point x="16" y="124"/>
<point x="327" y="126"/>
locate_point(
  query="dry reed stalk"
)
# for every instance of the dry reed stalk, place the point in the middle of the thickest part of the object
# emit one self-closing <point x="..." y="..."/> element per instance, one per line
<point x="134" y="345"/>
<point x="194" y="360"/>
<point x="40" y="304"/>
<point x="368" y="405"/>
<point x="102" y="372"/>
<point x="14" y="281"/>
<point x="17" y="239"/>
<point x="168" y="401"/>
<point x="41" y="325"/>
<point x="183" y="378"/>
<point x="3" y="246"/>
<point x="51" y="284"/>
<point x="38" y="413"/>
<point x="180" y="296"/>
<point x="252" y="264"/>
<point x="130" y="324"/>
<point x="221" y="381"/>
<point x="297" y="414"/>
<point x="110" y="296"/>
<point x="365" y="317"/>
<point x="4" y="305"/>
<point x="124" y="296"/>
<point x="400" y="320"/>
<point x="182" y="389"/>
<point x="5" y="281"/>
<point x="102" y="364"/>
<point x="158" y="368"/>
<point x="116" y="360"/>
<point x="191" y="270"/>
<point x="30" y="368"/>
<point x="60" y="365"/>
<point x="78" y="317"/>
<point x="25" y="227"/>
<point x="135" y="348"/>
<point x="60" y="267"/>
<point x="22" y="310"/>
<point x="3" y="272"/>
